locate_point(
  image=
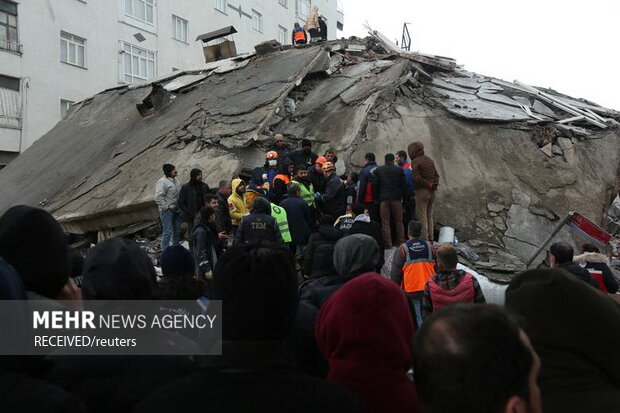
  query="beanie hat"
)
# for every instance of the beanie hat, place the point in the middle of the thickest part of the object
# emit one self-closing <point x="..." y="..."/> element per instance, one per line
<point x="34" y="244"/>
<point x="328" y="166"/>
<point x="177" y="261"/>
<point x="117" y="269"/>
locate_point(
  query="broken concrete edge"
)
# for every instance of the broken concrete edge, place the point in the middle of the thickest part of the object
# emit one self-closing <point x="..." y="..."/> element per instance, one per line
<point x="109" y="220"/>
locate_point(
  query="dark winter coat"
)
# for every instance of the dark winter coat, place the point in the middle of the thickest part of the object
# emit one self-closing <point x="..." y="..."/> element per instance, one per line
<point x="367" y="181"/>
<point x="258" y="228"/>
<point x="192" y="199"/>
<point x="299" y="219"/>
<point x="579" y="272"/>
<point x="301" y="157"/>
<point x="319" y="253"/>
<point x="250" y="377"/>
<point x="335" y="197"/>
<point x="206" y="248"/>
<point x="573" y="328"/>
<point x="391" y="184"/>
<point x="318" y="181"/>
<point x="423" y="167"/>
<point x="223" y="223"/>
<point x="363" y="225"/>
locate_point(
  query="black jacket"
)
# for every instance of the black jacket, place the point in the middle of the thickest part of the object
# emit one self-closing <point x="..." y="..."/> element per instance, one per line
<point x="373" y="230"/>
<point x="223" y="223"/>
<point x="301" y="157"/>
<point x="319" y="253"/>
<point x="391" y="184"/>
<point x="258" y="228"/>
<point x="192" y="199"/>
<point x="250" y="377"/>
<point x="318" y="181"/>
<point x="580" y="272"/>
<point x="598" y="262"/>
<point x="335" y="198"/>
<point x="206" y="248"/>
<point x="299" y="219"/>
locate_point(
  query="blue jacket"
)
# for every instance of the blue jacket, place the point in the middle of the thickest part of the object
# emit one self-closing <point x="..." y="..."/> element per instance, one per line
<point x="408" y="179"/>
<point x="364" y="180"/>
<point x="298" y="217"/>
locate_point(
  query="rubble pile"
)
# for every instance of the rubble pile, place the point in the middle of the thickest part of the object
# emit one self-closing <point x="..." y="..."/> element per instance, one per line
<point x="513" y="159"/>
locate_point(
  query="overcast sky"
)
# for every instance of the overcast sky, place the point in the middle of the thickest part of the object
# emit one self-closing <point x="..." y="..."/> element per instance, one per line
<point x="571" y="46"/>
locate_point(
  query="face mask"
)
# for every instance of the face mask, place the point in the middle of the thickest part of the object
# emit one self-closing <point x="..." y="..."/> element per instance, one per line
<point x="271" y="162"/>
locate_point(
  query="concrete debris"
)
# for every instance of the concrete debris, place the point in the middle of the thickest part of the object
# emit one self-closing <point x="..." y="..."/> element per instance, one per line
<point x="490" y="260"/>
<point x="355" y="96"/>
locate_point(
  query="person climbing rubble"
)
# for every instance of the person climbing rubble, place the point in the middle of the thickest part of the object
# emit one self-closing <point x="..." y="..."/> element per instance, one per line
<point x="299" y="35"/>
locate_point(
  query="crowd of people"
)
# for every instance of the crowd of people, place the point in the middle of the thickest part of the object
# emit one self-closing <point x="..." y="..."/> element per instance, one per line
<point x="309" y="324"/>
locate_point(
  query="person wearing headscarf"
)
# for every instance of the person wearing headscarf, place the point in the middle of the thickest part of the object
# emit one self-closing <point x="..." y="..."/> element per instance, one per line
<point x="365" y="330"/>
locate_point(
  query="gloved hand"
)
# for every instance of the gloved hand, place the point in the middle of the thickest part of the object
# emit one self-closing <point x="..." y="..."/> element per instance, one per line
<point x="318" y="196"/>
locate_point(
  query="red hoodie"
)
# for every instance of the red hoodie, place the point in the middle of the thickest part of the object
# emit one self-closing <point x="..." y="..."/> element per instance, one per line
<point x="365" y="331"/>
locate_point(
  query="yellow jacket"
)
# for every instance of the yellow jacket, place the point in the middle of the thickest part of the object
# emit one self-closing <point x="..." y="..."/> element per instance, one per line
<point x="236" y="204"/>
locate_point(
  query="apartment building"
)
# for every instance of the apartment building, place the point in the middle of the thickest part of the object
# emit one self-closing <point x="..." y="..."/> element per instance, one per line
<point x="57" y="52"/>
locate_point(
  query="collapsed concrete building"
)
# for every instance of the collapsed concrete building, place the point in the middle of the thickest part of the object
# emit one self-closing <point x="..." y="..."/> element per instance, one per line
<point x="512" y="159"/>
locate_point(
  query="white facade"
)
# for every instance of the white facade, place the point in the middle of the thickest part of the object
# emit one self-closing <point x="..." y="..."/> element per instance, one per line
<point x="67" y="50"/>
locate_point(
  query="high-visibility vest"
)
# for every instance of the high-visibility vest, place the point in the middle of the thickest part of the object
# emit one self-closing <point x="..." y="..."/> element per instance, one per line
<point x="283" y="177"/>
<point x="299" y="35"/>
<point x="306" y="193"/>
<point x="419" y="264"/>
<point x="280" y="215"/>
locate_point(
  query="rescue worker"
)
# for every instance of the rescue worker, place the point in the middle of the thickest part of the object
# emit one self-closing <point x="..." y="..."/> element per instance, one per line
<point x="259" y="226"/>
<point x="450" y="286"/>
<point x="299" y="35"/>
<point x="344" y="222"/>
<point x="270" y="171"/>
<point x="413" y="265"/>
<point x="316" y="175"/>
<point x="281" y="181"/>
<point x="425" y="180"/>
<point x="256" y="187"/>
<point x="236" y="203"/>
<point x="335" y="197"/>
<point x="281" y="218"/>
<point x="598" y="266"/>
<point x="305" y="186"/>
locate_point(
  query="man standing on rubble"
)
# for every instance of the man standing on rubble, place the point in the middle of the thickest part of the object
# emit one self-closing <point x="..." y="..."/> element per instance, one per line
<point x="280" y="147"/>
<point x="192" y="199"/>
<point x="304" y="155"/>
<point x="425" y="181"/>
<point x="167" y="199"/>
<point x="391" y="190"/>
<point x="299" y="35"/>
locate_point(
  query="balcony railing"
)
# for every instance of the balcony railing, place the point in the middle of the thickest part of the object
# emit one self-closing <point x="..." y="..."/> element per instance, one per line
<point x="11" y="46"/>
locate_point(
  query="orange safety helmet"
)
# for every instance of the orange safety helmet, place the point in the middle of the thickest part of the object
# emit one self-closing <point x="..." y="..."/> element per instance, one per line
<point x="321" y="160"/>
<point x="272" y="155"/>
<point x="328" y="166"/>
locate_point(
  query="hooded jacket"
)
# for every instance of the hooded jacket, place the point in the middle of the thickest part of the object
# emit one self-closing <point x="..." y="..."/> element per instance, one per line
<point x="362" y="224"/>
<point x="34" y="244"/>
<point x="573" y="328"/>
<point x="423" y="167"/>
<point x="353" y="255"/>
<point x="236" y="204"/>
<point x="365" y="331"/>
<point x="192" y="198"/>
<point x="598" y="266"/>
<point x="319" y="253"/>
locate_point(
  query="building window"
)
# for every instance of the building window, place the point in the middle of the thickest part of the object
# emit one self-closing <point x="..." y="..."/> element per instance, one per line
<point x="257" y="21"/>
<point x="302" y="9"/>
<point x="65" y="105"/>
<point x="8" y="26"/>
<point x="72" y="49"/>
<point x="9" y="103"/>
<point x="283" y="3"/>
<point x="283" y="35"/>
<point x="179" y="29"/>
<point x="138" y="63"/>
<point x="220" y="5"/>
<point x="141" y="10"/>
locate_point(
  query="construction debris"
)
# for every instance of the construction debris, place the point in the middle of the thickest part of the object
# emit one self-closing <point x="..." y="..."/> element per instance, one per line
<point x="354" y="96"/>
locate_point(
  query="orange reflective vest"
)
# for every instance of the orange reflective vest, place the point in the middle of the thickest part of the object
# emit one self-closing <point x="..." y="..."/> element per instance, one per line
<point x="299" y="35"/>
<point x="419" y="264"/>
<point x="283" y="177"/>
